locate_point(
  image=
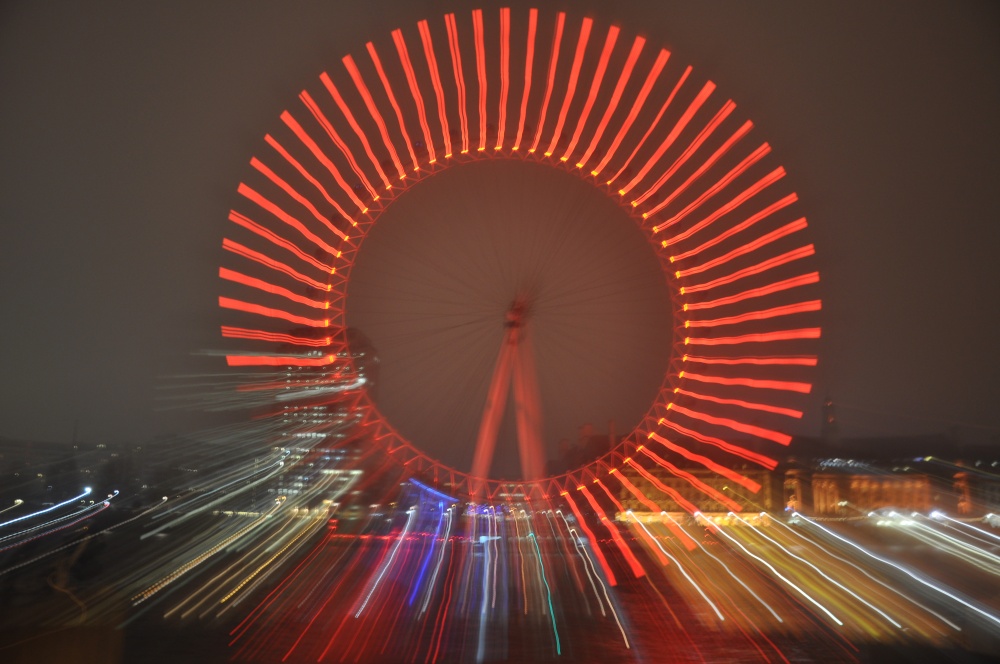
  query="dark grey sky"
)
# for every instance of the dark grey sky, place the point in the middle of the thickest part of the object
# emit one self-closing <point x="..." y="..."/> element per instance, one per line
<point x="125" y="128"/>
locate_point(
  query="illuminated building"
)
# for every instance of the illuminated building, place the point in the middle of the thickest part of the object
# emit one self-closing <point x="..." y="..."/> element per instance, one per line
<point x="317" y="412"/>
<point x="764" y="499"/>
<point x="871" y="474"/>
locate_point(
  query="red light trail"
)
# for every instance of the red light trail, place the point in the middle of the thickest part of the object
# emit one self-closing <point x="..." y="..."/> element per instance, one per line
<point x="262" y="285"/>
<point x="267" y="261"/>
<point x="787" y="229"/>
<point x="290" y="220"/>
<point x="251" y="308"/>
<point x="602" y="67"/>
<point x="456" y="65"/>
<point x="395" y="105"/>
<point x="640" y="100"/>
<point x="299" y="198"/>
<point x="791" y="386"/>
<point x="551" y="79"/>
<point x="529" y="59"/>
<point x="354" y="125"/>
<point x="741" y="198"/>
<point x="737" y="170"/>
<point x="292" y="124"/>
<point x="763" y="266"/>
<point x="275" y="239"/>
<point x="686" y="117"/>
<point x="425" y="37"/>
<point x="477" y="24"/>
<point x="616" y="97"/>
<point x="703" y="136"/>
<point x="574" y="76"/>
<point x="760" y="432"/>
<point x="790" y="412"/>
<point x="366" y="95"/>
<point x="341" y="145"/>
<point x="504" y="74"/>
<point x="418" y="99"/>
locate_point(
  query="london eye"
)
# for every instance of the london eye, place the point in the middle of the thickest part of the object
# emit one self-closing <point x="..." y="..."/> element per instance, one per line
<point x="660" y="143"/>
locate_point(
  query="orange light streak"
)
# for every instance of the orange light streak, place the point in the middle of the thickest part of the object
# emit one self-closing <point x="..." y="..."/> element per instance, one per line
<point x="504" y="73"/>
<point x="681" y="124"/>
<point x="308" y="176"/>
<point x="553" y="61"/>
<point x="366" y="95"/>
<point x="610" y="495"/>
<point x="640" y="496"/>
<point x="477" y="29"/>
<point x="285" y="217"/>
<point x="685" y="539"/>
<point x="432" y="67"/>
<point x="418" y="99"/>
<point x="662" y="559"/>
<point x="702" y="136"/>
<point x="790" y="412"/>
<point x="307" y="140"/>
<point x="277" y="240"/>
<point x="735" y="450"/>
<point x="793" y="282"/>
<point x="574" y="77"/>
<point x="674" y="495"/>
<point x="260" y="335"/>
<point x="338" y="141"/>
<point x="278" y="361"/>
<point x="791" y="360"/>
<point x="392" y="100"/>
<point x="741" y="198"/>
<point x="260" y="284"/>
<point x="647" y="87"/>
<point x="728" y="473"/>
<point x="787" y="385"/>
<point x="299" y="198"/>
<point x="774" y="176"/>
<point x="332" y="89"/>
<point x="747" y="248"/>
<point x="616" y="96"/>
<point x="528" y="62"/>
<point x="788" y="257"/>
<point x="239" y="305"/>
<point x="764" y="337"/>
<point x="691" y="479"/>
<point x="267" y="261"/>
<point x="633" y="562"/>
<point x="718" y="154"/>
<point x="595" y="85"/>
<point x="737" y="171"/>
<point x="762" y="314"/>
<point x="456" y="66"/>
<point x="612" y="581"/>
<point x="761" y="432"/>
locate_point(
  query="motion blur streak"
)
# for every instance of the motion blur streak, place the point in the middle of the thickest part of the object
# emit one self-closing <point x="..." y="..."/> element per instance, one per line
<point x="553" y="63"/>
<point x="775" y="572"/>
<point x="86" y="492"/>
<point x="914" y="576"/>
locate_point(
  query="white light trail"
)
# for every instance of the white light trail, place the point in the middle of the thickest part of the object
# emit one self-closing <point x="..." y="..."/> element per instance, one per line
<point x="86" y="492"/>
<point x="912" y="575"/>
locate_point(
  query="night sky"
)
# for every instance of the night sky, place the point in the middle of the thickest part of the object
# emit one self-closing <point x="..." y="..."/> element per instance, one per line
<point x="125" y="129"/>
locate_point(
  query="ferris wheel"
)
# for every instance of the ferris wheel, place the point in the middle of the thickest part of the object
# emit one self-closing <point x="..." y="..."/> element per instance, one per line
<point x="492" y="99"/>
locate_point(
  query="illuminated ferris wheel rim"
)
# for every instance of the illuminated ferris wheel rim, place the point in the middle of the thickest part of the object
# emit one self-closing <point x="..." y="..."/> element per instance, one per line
<point x="700" y="391"/>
